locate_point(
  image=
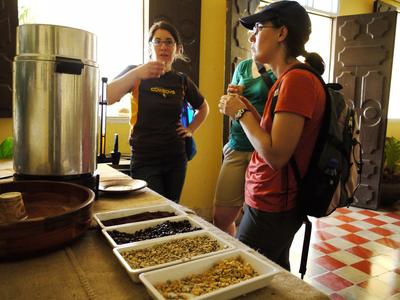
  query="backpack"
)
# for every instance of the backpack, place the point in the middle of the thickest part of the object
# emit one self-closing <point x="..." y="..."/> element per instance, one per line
<point x="331" y="178"/>
<point x="264" y="75"/>
<point x="186" y="118"/>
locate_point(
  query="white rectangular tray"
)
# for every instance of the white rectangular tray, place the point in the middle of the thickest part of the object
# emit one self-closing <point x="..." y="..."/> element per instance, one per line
<point x="133" y="227"/>
<point x="134" y="273"/>
<point x="114" y="214"/>
<point x="265" y="270"/>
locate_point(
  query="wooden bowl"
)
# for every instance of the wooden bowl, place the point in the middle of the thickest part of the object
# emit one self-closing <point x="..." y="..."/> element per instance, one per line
<point x="58" y="212"/>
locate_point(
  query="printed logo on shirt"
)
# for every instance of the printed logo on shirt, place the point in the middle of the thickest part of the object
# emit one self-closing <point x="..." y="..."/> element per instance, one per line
<point x="162" y="91"/>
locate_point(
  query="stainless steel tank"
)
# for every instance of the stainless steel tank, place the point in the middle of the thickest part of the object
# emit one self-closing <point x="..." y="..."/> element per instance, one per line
<point x="55" y="95"/>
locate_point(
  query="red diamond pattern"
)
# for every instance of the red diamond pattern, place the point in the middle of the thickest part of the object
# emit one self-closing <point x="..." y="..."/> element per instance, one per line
<point x="355" y="239"/>
<point x="325" y="247"/>
<point x="333" y="281"/>
<point x="345" y="218"/>
<point x="323" y="235"/>
<point x="363" y="266"/>
<point x="374" y="221"/>
<point x="329" y="262"/>
<point x="356" y="265"/>
<point x="349" y="227"/>
<point x="381" y="231"/>
<point x="393" y="215"/>
<point x="360" y="251"/>
<point x="389" y="242"/>
<point x="344" y="210"/>
<point x="368" y="213"/>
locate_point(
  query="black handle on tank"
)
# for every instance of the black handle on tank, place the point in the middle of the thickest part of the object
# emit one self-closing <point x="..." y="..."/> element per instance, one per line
<point x="116" y="142"/>
<point x="68" y="65"/>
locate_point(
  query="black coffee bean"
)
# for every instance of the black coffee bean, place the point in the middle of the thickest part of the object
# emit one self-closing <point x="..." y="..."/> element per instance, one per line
<point x="163" y="229"/>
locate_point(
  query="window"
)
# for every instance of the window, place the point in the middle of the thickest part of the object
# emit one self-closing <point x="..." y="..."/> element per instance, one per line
<point x="324" y="7"/>
<point x="330" y="8"/>
<point x="321" y="40"/>
<point x="117" y="24"/>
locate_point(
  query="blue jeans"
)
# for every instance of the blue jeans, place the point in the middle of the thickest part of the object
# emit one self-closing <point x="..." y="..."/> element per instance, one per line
<point x="165" y="178"/>
<point x="269" y="233"/>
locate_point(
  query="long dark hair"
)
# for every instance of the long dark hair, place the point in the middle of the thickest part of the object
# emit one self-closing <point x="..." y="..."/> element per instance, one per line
<point x="295" y="42"/>
<point x="175" y="34"/>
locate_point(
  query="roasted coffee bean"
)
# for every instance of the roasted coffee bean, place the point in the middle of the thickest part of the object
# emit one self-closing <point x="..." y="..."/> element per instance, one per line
<point x="139" y="217"/>
<point x="160" y="230"/>
<point x="177" y="249"/>
<point x="222" y="274"/>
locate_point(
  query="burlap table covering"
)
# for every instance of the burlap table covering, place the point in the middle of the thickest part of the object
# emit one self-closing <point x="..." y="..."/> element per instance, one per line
<point x="87" y="268"/>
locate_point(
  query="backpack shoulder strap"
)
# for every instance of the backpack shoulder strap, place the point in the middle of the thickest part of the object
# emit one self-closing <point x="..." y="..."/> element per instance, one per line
<point x="264" y="74"/>
<point x="185" y="107"/>
<point x="309" y="69"/>
<point x="274" y="101"/>
<point x="184" y="84"/>
<point x="276" y="92"/>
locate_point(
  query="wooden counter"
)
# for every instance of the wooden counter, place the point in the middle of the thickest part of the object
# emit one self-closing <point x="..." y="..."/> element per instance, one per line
<point x="87" y="268"/>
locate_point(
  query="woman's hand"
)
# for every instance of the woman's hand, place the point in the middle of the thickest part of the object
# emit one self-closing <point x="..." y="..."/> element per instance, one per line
<point x="230" y="104"/>
<point x="122" y="85"/>
<point x="152" y="69"/>
<point x="183" y="131"/>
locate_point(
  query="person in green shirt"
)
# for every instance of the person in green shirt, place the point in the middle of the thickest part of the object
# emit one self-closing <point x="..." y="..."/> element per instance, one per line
<point x="229" y="194"/>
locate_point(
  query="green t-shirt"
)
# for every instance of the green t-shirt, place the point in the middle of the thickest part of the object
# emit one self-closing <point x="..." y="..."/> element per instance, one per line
<point x="256" y="92"/>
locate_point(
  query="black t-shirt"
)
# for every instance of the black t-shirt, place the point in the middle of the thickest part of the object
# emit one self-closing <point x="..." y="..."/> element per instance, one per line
<point x="157" y="104"/>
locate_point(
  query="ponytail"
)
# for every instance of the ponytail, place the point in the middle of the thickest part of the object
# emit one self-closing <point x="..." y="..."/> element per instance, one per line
<point x="315" y="61"/>
<point x="294" y="44"/>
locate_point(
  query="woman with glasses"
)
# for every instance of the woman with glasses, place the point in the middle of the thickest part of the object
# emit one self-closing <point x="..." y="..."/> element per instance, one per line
<point x="157" y="95"/>
<point x="289" y="129"/>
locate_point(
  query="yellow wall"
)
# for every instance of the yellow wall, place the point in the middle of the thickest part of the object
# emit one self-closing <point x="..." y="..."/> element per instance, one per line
<point x="6" y="126"/>
<point x="355" y="7"/>
<point x="393" y="128"/>
<point x="122" y="128"/>
<point x="203" y="171"/>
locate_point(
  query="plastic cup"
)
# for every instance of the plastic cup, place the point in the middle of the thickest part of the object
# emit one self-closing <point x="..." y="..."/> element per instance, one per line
<point x="12" y="208"/>
<point x="239" y="87"/>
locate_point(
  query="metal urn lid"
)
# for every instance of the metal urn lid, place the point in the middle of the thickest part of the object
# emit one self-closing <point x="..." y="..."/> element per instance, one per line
<point x="45" y="42"/>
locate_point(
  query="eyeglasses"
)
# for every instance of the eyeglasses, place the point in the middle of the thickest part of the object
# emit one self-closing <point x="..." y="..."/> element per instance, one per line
<point x="258" y="27"/>
<point x="167" y="43"/>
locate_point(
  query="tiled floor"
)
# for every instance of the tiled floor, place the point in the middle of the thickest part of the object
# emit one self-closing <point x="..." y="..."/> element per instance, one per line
<point x="354" y="254"/>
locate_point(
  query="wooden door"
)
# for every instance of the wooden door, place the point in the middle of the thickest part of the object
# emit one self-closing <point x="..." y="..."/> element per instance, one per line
<point x="185" y="15"/>
<point x="8" y="26"/>
<point x="237" y="44"/>
<point x="363" y="58"/>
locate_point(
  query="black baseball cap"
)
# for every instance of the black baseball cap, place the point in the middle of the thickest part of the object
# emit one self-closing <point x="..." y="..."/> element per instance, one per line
<point x="290" y="14"/>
